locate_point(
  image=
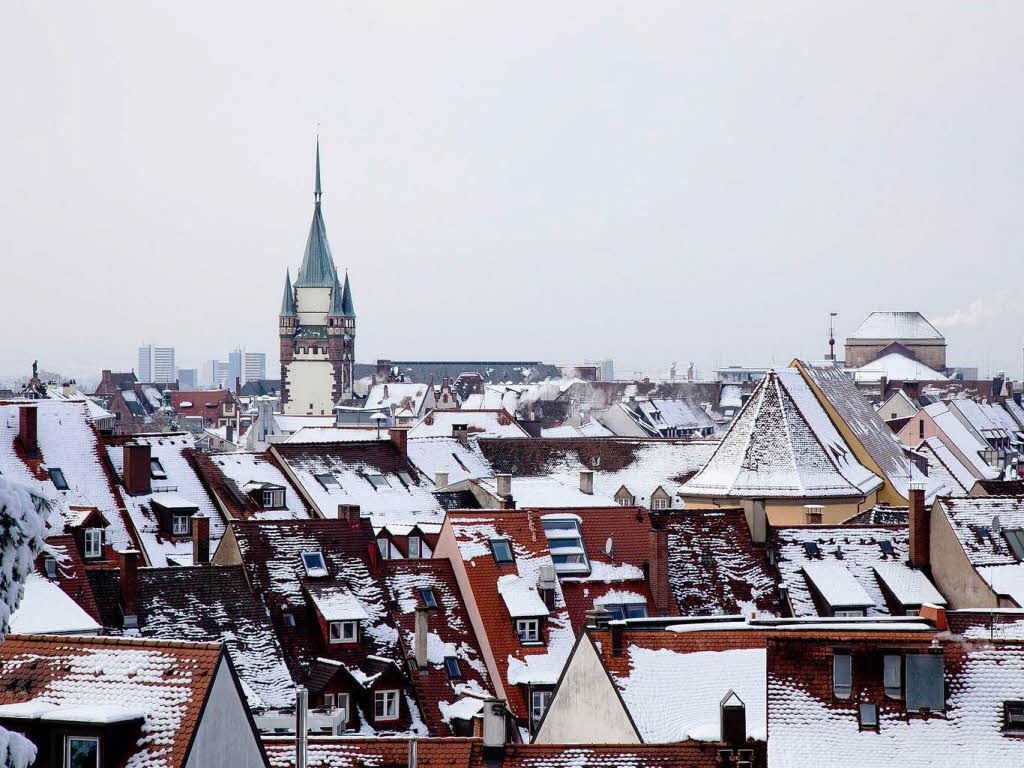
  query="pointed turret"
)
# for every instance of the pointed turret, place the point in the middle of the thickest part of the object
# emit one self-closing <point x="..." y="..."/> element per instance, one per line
<point x="347" y="307"/>
<point x="337" y="304"/>
<point x="317" y="268"/>
<point x="288" y="300"/>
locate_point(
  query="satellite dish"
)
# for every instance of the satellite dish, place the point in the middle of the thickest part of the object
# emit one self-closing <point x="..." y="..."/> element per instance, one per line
<point x="609" y="547"/>
<point x="378" y="417"/>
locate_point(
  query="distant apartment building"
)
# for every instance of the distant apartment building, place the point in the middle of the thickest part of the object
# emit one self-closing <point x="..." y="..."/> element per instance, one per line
<point x="254" y="366"/>
<point x="145" y="370"/>
<point x="188" y="378"/>
<point x="235" y="365"/>
<point x="163" y="365"/>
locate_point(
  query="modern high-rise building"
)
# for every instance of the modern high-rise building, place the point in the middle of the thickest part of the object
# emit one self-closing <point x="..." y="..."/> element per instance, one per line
<point x="163" y="365"/>
<point x="317" y="326"/>
<point x="145" y="370"/>
<point x="208" y="376"/>
<point x="255" y="366"/>
<point x="188" y="379"/>
<point x="235" y="371"/>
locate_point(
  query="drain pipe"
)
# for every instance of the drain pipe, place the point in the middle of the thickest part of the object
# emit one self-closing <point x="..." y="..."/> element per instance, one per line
<point x="301" y="700"/>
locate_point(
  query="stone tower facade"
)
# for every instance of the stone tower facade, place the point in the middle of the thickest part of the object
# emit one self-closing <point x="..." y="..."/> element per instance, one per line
<point x="317" y="327"/>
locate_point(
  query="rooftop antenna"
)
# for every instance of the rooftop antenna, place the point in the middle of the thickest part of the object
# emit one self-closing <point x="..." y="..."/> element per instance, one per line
<point x="316" y="189"/>
<point x="832" y="336"/>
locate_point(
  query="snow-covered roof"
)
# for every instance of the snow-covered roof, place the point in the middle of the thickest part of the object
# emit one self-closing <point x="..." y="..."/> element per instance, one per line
<point x="664" y="415"/>
<point x="896" y="367"/>
<point x="334" y="434"/>
<point x="520" y="598"/>
<point x="289" y="424"/>
<point x="536" y="492"/>
<point x="336" y="603"/>
<point x="895" y="325"/>
<point x="980" y="524"/>
<point x="834" y="582"/>
<point x="908" y="585"/>
<point x="961" y="437"/>
<point x="590" y="429"/>
<point x="988" y="419"/>
<point x="944" y="465"/>
<point x="241" y="469"/>
<point x="398" y="395"/>
<point x="493" y="423"/>
<point x="46" y="609"/>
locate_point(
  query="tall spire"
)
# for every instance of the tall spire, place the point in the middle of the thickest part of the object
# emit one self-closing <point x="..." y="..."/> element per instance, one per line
<point x="288" y="300"/>
<point x="346" y="299"/>
<point x="336" y="310"/>
<point x="316" y="190"/>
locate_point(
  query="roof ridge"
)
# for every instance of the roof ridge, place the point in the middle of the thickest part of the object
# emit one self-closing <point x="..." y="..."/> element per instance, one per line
<point x="100" y="640"/>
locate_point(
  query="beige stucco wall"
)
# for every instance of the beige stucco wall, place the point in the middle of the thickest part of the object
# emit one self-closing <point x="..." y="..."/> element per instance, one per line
<point x="862" y="351"/>
<point x="953" y="574"/>
<point x="312" y="305"/>
<point x="910" y="435"/>
<point x="310" y="380"/>
<point x="897" y="407"/>
<point x="585" y="708"/>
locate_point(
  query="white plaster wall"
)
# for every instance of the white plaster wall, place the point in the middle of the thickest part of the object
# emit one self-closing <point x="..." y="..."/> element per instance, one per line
<point x="952" y="572"/>
<point x="225" y="736"/>
<point x="312" y="305"/>
<point x="585" y="708"/>
<point x="310" y="381"/>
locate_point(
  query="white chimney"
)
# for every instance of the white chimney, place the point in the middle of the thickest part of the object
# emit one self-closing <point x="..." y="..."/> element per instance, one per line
<point x="587" y="481"/>
<point x="441" y="479"/>
<point x="301" y="703"/>
<point x="504" y="483"/>
<point x="494" y="724"/>
<point x="420" y="639"/>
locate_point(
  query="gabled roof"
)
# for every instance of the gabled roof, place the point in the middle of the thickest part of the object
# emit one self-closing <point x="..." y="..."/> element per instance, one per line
<point x="483" y="423"/>
<point x="228" y="474"/>
<point x="71" y="576"/>
<point x="206" y="403"/>
<point x="983" y="538"/>
<point x="961" y="438"/>
<point x="772" y="450"/>
<point x="449" y="633"/>
<point x="897" y="367"/>
<point x="714" y="568"/>
<point x="45" y="608"/>
<point x="164" y="684"/>
<point x="907" y="326"/>
<point x="944" y="465"/>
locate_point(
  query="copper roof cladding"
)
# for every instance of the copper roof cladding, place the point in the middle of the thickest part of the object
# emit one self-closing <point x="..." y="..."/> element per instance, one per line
<point x="451" y="624"/>
<point x="714" y="567"/>
<point x="169" y="681"/>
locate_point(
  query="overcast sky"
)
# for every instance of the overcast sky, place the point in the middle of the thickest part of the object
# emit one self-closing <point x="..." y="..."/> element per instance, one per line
<point x="555" y="181"/>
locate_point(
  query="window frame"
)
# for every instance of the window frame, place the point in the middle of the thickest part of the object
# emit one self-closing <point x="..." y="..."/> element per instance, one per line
<point x="56" y="473"/>
<point x="892" y="672"/>
<point x="175" y="518"/>
<point x="327" y="486"/>
<point x="451" y="665"/>
<point x="1007" y="707"/>
<point x="342" y="626"/>
<point x="272" y="493"/>
<point x="306" y="566"/>
<point x="93" y="536"/>
<point x="156" y="469"/>
<point x="1015" y="541"/>
<point x="545" y="696"/>
<point x="73" y="737"/>
<point x="431" y="603"/>
<point x="494" y="552"/>
<point x="910" y="660"/>
<point x="419" y="547"/>
<point x="842" y="673"/>
<point x="867" y="723"/>
<point x="386" y="696"/>
<point x="526" y="622"/>
<point x="50" y="566"/>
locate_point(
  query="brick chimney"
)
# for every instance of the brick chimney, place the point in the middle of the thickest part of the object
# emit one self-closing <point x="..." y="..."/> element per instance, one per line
<point x="920" y="528"/>
<point x="657" y="573"/>
<point x="400" y="437"/>
<point x="200" y="539"/>
<point x="350" y="512"/>
<point x="135" y="475"/>
<point x="587" y="481"/>
<point x="129" y="585"/>
<point x="420" y="637"/>
<point x="28" y="429"/>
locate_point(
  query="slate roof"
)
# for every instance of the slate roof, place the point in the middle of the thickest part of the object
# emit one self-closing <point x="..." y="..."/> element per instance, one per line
<point x="663" y="415"/>
<point x="895" y="325"/>
<point x="449" y="633"/>
<point x="167" y="681"/>
<point x="288" y="299"/>
<point x="317" y="268"/>
<point x="260" y="387"/>
<point x="713" y="566"/>
<point x="881" y="514"/>
<point x="1002" y="487"/>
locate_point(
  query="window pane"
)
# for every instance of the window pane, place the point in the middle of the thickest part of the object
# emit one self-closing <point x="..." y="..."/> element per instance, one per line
<point x="428" y="597"/>
<point x="83" y="753"/>
<point x="842" y="675"/>
<point x="636" y="611"/>
<point x="868" y="716"/>
<point x="502" y="551"/>
<point x="452" y="665"/>
<point x="925" y="686"/>
<point x="1015" y="538"/>
<point x="414" y="546"/>
<point x="892" y="676"/>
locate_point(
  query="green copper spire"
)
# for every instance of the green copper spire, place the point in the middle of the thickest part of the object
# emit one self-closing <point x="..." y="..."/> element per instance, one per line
<point x="317" y="268"/>
<point x="346" y="299"/>
<point x="316" y="190"/>
<point x="337" y="307"/>
<point x="288" y="300"/>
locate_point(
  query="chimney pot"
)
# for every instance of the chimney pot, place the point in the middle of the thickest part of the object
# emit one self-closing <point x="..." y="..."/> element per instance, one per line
<point x="587" y="481"/>
<point x="129" y="585"/>
<point x="420" y="638"/>
<point x="400" y="437"/>
<point x="135" y="474"/>
<point x="351" y="513"/>
<point x="658" y="569"/>
<point x="494" y="727"/>
<point x="200" y="539"/>
<point x="504" y="485"/>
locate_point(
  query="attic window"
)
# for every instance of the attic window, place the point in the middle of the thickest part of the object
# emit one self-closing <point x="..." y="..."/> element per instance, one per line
<point x="156" y="469"/>
<point x="887" y="549"/>
<point x="868" y="717"/>
<point x="385" y="705"/>
<point x="314" y="565"/>
<point x="406" y="478"/>
<point x="289" y="620"/>
<point x="1015" y="538"/>
<point x="595" y="461"/>
<point x="180" y="525"/>
<point x="925" y="685"/>
<point x="273" y="498"/>
<point x="58" y="479"/>
<point x="565" y="543"/>
<point x="1013" y="716"/>
<point x="93" y="542"/>
<point x="81" y="752"/>
<point x="626" y="610"/>
<point x="428" y="597"/>
<point x="812" y="549"/>
<point x="502" y="551"/>
<point x="451" y="664"/>
<point x="892" y="675"/>
<point x="528" y="630"/>
<point x="328" y="481"/>
<point x="842" y="674"/>
<point x="415" y="549"/>
<point x="378" y="481"/>
<point x="344" y="631"/>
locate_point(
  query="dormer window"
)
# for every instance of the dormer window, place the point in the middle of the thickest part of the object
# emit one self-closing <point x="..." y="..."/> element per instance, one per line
<point x="81" y="752"/>
<point x="414" y="546"/>
<point x="385" y="705"/>
<point x="565" y="542"/>
<point x="156" y="469"/>
<point x="659" y="504"/>
<point x="58" y="479"/>
<point x="428" y="598"/>
<point x="620" y="611"/>
<point x="528" y="630"/>
<point x="50" y="565"/>
<point x="812" y="549"/>
<point x="180" y="525"/>
<point x="344" y="632"/>
<point x="93" y="543"/>
<point x="502" y="551"/>
<point x="273" y="498"/>
<point x="314" y="564"/>
<point x="892" y="675"/>
<point x="378" y="481"/>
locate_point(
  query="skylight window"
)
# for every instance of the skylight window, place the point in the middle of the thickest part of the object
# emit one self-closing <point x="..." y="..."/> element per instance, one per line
<point x="626" y="610"/>
<point x="812" y="549"/>
<point x="1013" y="716"/>
<point x="1015" y="538"/>
<point x="868" y="716"/>
<point x="406" y="478"/>
<point x="502" y="550"/>
<point x="428" y="597"/>
<point x="451" y="664"/>
<point x="156" y="469"/>
<point x="378" y="481"/>
<point x="58" y="479"/>
<point x="887" y="549"/>
<point x="565" y="543"/>
<point x="314" y="565"/>
<point x="328" y="481"/>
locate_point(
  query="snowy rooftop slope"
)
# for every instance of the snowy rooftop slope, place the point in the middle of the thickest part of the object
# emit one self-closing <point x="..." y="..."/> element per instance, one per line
<point x="537" y="492"/>
<point x="69" y="442"/>
<point x="398" y="395"/>
<point x="962" y="438"/>
<point x="494" y="423"/>
<point x="462" y="461"/>
<point x="373" y="475"/>
<point x="244" y="468"/>
<point x="861" y="548"/>
<point x="944" y="465"/>
<point x="181" y="485"/>
<point x="989" y="419"/>
<point x="895" y="325"/>
<point x="336" y="603"/>
<point x="46" y="609"/>
<point x="334" y="434"/>
<point x="834" y="582"/>
<point x="521" y="598"/>
<point x="639" y="465"/>
<point x="908" y="586"/>
<point x="867" y="426"/>
<point x="107" y="679"/>
<point x="1015" y="411"/>
<point x="674" y="696"/>
<point x="974" y="522"/>
<point x="361" y="752"/>
<point x="772" y="450"/>
<point x="666" y="414"/>
<point x="590" y="429"/>
<point x="897" y="367"/>
<point x="290" y="424"/>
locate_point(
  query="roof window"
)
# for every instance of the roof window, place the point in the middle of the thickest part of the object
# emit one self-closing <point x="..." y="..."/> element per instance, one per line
<point x="1013" y="716"/>
<point x="58" y="479"/>
<point x="50" y="565"/>
<point x="868" y="717"/>
<point x="812" y="549"/>
<point x="842" y="674"/>
<point x="925" y="685"/>
<point x="428" y="597"/>
<point x="314" y="565"/>
<point x="887" y="549"/>
<point x="82" y="751"/>
<point x="451" y="664"/>
<point x="565" y="543"/>
<point x="406" y="478"/>
<point x="502" y="551"/>
<point x="328" y="481"/>
<point x="156" y="469"/>
<point x="626" y="610"/>
<point x="378" y="481"/>
<point x="1015" y="538"/>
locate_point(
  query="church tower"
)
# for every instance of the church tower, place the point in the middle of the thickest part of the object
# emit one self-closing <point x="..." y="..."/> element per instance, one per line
<point x="317" y="326"/>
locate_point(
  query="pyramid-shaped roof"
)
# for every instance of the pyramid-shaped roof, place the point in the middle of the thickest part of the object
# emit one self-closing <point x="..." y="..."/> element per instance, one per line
<point x="774" y="450"/>
<point x="288" y="300"/>
<point x="895" y="325"/>
<point x="317" y="268"/>
<point x="337" y="303"/>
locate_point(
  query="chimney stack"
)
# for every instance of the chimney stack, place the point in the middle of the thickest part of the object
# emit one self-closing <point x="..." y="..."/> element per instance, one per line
<point x="238" y="386"/>
<point x="494" y="729"/>
<point x="813" y="514"/>
<point x="420" y="637"/>
<point x="135" y="474"/>
<point x="461" y="433"/>
<point x="658" y="569"/>
<point x="441" y="479"/>
<point x="920" y="528"/>
<point x="504" y="484"/>
<point x="351" y="513"/>
<point x="400" y="437"/>
<point x="28" y="429"/>
<point x="733" y="713"/>
<point x="587" y="481"/>
<point x="229" y="432"/>
<point x="129" y="586"/>
<point x="200" y="539"/>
